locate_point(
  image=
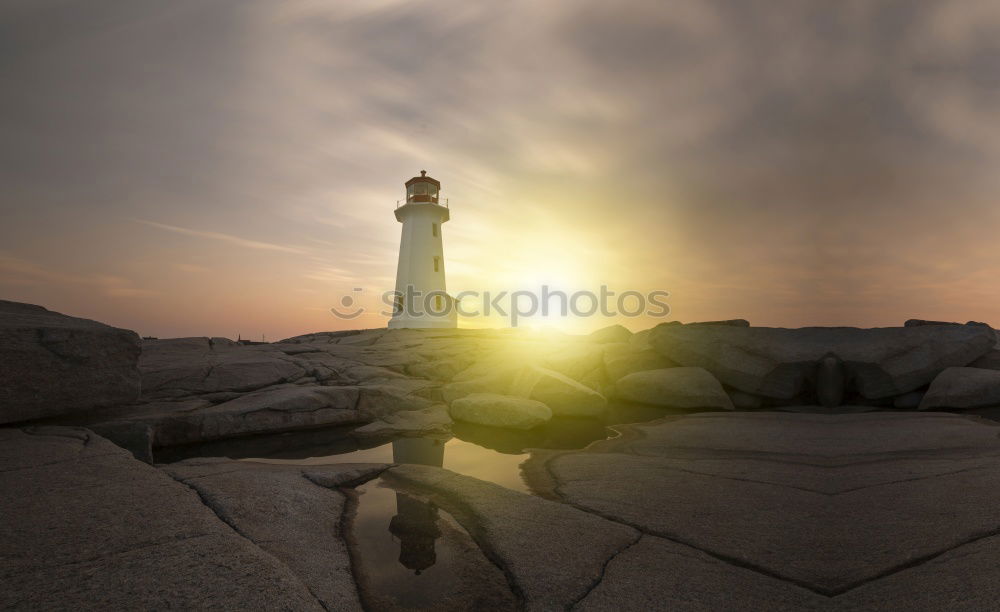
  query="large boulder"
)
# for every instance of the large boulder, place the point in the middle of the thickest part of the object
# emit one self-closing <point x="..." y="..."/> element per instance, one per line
<point x="674" y="387"/>
<point x="500" y="411"/>
<point x="53" y="364"/>
<point x="782" y="363"/>
<point x="622" y="359"/>
<point x="611" y="333"/>
<point x="565" y="396"/>
<point x="960" y="388"/>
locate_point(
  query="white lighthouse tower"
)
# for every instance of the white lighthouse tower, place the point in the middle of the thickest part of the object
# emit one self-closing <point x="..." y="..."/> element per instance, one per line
<point x="421" y="300"/>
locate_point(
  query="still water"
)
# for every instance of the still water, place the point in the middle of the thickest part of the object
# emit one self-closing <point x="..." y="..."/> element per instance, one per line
<point x="409" y="554"/>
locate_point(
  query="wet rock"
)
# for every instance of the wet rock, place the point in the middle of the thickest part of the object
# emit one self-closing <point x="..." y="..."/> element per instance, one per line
<point x="611" y="333"/>
<point x="674" y="387"/>
<point x="52" y="364"/>
<point x="158" y="546"/>
<point x="565" y="396"/>
<point x="553" y="552"/>
<point x="962" y="388"/>
<point x="500" y="411"/>
<point x="780" y="363"/>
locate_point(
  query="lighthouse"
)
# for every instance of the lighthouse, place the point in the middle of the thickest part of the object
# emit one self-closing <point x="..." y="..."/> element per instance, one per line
<point x="420" y="298"/>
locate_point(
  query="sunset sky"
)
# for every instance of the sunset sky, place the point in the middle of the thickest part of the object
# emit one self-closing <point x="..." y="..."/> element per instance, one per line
<point x="224" y="167"/>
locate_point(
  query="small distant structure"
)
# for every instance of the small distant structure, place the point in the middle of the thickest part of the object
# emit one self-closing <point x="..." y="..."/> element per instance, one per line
<point x="421" y="298"/>
<point x="240" y="340"/>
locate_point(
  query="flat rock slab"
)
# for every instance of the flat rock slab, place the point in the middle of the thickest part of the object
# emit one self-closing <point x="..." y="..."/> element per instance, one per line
<point x="86" y="526"/>
<point x="291" y="512"/>
<point x="859" y="511"/>
<point x="52" y="364"/>
<point x="779" y="363"/>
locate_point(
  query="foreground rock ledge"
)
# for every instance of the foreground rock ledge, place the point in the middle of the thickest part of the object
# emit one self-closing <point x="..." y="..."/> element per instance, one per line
<point x="52" y="364"/>
<point x="88" y="527"/>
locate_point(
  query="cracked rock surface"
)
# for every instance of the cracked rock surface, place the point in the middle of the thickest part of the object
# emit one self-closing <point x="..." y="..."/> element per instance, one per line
<point x="709" y="511"/>
<point x="806" y="511"/>
<point x="86" y="526"/>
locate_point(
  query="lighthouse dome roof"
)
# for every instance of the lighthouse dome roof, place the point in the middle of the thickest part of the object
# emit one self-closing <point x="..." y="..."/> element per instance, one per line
<point x="423" y="178"/>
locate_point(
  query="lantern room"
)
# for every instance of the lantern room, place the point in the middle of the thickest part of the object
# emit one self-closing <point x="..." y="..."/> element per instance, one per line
<point x="422" y="189"/>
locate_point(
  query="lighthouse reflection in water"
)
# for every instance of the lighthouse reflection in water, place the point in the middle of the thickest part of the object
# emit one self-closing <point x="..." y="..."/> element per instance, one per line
<point x="415" y="522"/>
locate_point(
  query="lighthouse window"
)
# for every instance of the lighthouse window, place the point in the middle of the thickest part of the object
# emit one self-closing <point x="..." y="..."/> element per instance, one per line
<point x="421" y="189"/>
<point x="409" y="192"/>
<point x="437" y="263"/>
<point x="434" y="229"/>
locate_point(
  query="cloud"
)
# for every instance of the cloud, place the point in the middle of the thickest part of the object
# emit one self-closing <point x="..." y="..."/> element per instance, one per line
<point x="227" y="238"/>
<point x="17" y="272"/>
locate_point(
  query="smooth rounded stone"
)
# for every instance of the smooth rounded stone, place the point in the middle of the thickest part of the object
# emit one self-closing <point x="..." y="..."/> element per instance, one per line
<point x="908" y="401"/>
<point x="565" y="396"/>
<point x="622" y="359"/>
<point x="674" y="387"/>
<point x="52" y="364"/>
<point x="779" y="363"/>
<point x="831" y="381"/>
<point x="500" y="411"/>
<point x="962" y="388"/>
<point x="611" y="333"/>
<point x="497" y="382"/>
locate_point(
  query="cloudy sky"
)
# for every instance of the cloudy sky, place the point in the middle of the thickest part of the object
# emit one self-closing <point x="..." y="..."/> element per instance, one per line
<point x="224" y="167"/>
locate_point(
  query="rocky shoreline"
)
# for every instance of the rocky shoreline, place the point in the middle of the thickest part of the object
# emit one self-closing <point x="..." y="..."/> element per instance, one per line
<point x="770" y="491"/>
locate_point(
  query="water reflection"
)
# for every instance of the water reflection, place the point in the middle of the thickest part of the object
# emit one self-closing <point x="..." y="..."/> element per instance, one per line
<point x="413" y="555"/>
<point x="415" y="522"/>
